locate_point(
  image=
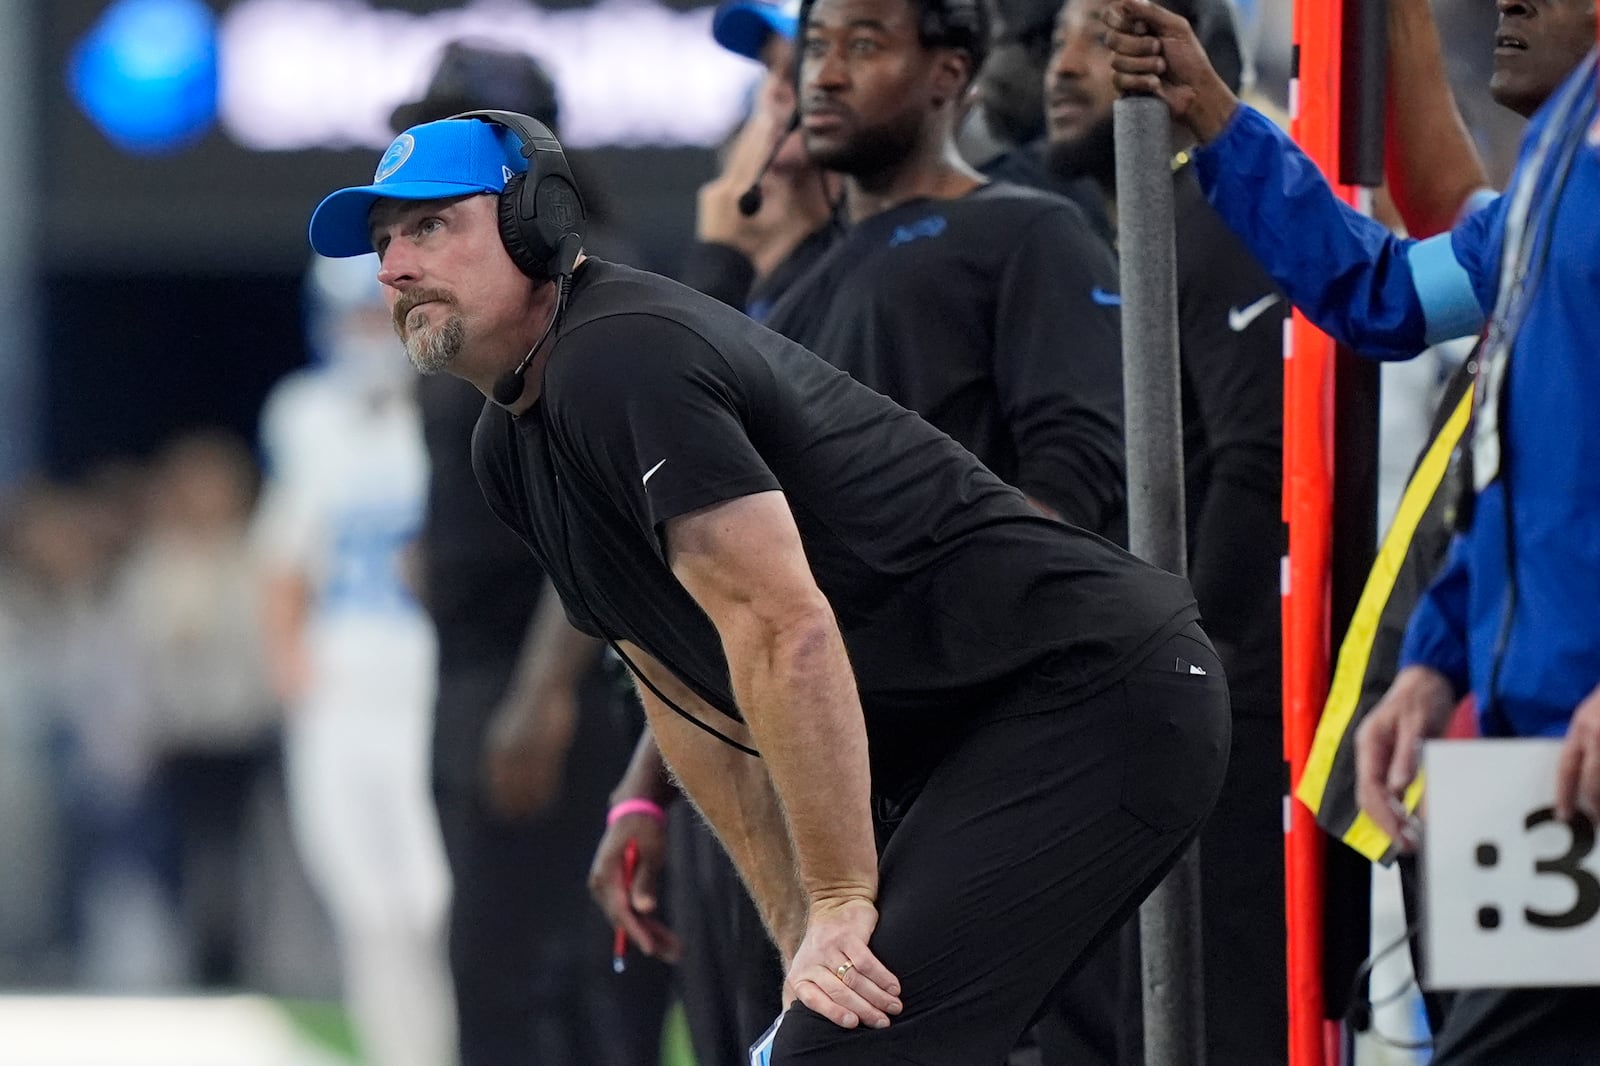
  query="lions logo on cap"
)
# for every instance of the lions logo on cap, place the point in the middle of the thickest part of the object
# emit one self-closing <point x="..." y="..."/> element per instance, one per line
<point x="395" y="157"/>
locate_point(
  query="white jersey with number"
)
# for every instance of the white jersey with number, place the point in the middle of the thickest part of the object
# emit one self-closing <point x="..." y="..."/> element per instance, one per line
<point x="344" y="501"/>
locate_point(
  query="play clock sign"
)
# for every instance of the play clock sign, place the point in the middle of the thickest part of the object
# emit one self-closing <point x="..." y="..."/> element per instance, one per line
<point x="1511" y="892"/>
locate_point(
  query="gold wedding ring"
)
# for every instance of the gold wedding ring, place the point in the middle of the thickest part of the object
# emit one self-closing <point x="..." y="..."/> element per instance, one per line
<point x="843" y="971"/>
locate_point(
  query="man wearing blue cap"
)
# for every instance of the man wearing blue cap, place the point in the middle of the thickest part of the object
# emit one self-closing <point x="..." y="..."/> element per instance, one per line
<point x="524" y="745"/>
<point x="749" y="27"/>
<point x="983" y="735"/>
<point x="763" y="222"/>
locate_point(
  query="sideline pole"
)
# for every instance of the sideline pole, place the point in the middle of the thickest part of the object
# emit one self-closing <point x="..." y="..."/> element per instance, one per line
<point x="1315" y="105"/>
<point x="1169" y="921"/>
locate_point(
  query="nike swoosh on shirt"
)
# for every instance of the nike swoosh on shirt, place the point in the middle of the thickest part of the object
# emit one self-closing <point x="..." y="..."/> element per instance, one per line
<point x="1239" y="318"/>
<point x="1104" y="298"/>
<point x="648" y="474"/>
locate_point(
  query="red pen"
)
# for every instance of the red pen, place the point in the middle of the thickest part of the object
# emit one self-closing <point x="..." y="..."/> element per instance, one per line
<point x="619" y="939"/>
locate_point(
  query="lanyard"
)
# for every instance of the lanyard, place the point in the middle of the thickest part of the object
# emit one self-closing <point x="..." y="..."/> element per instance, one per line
<point x="1535" y="197"/>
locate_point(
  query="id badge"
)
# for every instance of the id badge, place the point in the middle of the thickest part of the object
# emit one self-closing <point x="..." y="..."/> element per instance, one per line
<point x="761" y="1050"/>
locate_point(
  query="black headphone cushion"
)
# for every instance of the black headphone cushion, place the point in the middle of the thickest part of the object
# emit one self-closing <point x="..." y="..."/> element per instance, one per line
<point x="514" y="235"/>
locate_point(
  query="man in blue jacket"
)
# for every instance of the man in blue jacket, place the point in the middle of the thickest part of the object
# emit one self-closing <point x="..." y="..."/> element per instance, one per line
<point x="1512" y="617"/>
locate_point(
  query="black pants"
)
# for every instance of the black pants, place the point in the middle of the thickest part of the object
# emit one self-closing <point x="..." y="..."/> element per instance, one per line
<point x="530" y="954"/>
<point x="1032" y="840"/>
<point x="1099" y="1021"/>
<point x="1505" y="1026"/>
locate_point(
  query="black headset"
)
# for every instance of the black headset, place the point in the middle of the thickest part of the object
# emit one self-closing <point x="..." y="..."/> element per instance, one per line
<point x="542" y="222"/>
<point x="542" y="217"/>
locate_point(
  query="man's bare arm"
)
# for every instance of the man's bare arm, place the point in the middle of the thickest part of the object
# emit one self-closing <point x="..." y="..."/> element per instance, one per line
<point x="732" y="792"/>
<point x="1431" y="163"/>
<point x="527" y="740"/>
<point x="744" y="564"/>
<point x="630" y="902"/>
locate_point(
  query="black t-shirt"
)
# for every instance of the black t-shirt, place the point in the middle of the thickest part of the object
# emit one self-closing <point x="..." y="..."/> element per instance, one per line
<point x="724" y="272"/>
<point x="953" y="595"/>
<point x="1230" y="335"/>
<point x="1025" y="165"/>
<point x="480" y="583"/>
<point x="994" y="316"/>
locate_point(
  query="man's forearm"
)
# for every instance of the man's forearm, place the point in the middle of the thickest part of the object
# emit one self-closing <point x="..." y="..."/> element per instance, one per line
<point x="554" y="653"/>
<point x="733" y="793"/>
<point x="744" y="563"/>
<point x="1432" y="166"/>
<point x="796" y="690"/>
<point x="646" y="776"/>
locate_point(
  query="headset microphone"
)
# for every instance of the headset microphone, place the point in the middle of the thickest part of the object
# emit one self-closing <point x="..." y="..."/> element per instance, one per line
<point x="750" y="199"/>
<point x="508" y="387"/>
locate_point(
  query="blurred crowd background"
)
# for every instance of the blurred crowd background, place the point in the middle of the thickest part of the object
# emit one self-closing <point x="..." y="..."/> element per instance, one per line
<point x="158" y="164"/>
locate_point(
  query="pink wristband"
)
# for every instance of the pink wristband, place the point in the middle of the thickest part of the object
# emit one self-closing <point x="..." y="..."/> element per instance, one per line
<point x="636" y="806"/>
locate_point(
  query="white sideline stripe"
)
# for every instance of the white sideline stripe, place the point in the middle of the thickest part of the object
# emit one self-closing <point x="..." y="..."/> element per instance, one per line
<point x="242" y="1030"/>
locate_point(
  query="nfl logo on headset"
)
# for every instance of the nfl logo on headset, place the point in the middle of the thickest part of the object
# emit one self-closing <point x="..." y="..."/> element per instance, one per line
<point x="563" y="209"/>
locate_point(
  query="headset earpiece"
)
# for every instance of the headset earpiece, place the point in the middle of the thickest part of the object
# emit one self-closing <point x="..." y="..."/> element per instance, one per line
<point x="539" y="211"/>
<point x="512" y="234"/>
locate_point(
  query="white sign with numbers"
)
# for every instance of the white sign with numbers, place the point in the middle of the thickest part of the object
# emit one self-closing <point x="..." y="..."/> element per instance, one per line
<point x="1511" y="893"/>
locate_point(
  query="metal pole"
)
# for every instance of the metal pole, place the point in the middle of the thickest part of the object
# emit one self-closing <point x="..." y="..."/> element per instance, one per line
<point x="19" y="369"/>
<point x="1169" y="921"/>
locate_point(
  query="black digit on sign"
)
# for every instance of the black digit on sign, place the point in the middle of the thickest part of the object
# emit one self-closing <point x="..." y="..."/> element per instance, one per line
<point x="1587" y="885"/>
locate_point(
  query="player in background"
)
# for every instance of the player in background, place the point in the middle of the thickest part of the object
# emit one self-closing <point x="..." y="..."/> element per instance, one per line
<point x="352" y="656"/>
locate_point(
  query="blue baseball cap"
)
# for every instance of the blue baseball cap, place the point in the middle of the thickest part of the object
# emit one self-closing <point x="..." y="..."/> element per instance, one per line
<point x="743" y="26"/>
<point x="434" y="161"/>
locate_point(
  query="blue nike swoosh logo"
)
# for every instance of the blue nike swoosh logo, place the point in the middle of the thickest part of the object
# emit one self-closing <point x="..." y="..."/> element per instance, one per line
<point x="1104" y="298"/>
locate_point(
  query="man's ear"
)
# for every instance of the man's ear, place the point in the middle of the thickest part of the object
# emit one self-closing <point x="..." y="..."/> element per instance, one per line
<point x="952" y="76"/>
<point x="969" y="98"/>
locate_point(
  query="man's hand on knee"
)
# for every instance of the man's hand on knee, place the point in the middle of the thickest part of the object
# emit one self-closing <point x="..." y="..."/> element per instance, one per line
<point x="836" y="974"/>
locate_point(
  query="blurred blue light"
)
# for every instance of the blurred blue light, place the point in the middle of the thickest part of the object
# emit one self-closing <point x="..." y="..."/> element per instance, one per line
<point x="146" y="74"/>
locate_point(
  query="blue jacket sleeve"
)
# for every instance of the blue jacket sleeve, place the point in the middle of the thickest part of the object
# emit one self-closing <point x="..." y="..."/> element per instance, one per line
<point x="1437" y="633"/>
<point x="1345" y="272"/>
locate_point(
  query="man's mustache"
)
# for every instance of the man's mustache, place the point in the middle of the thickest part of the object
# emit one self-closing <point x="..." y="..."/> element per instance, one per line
<point x="411" y="298"/>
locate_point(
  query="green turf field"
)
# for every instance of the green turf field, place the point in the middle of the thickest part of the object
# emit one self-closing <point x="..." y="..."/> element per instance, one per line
<point x="324" y="1025"/>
